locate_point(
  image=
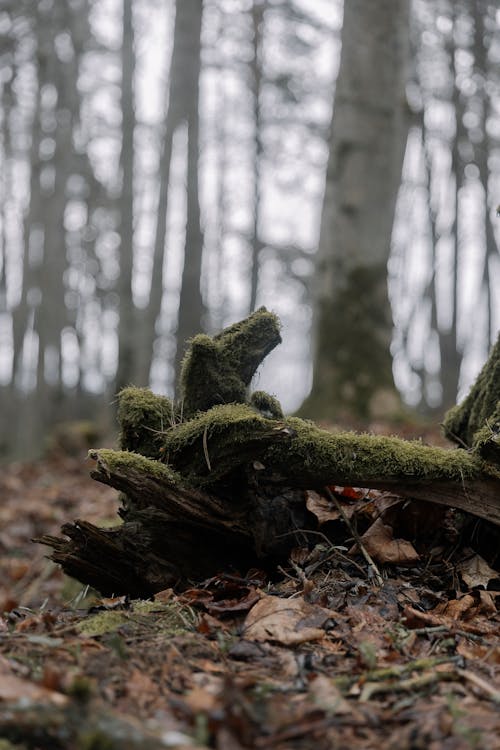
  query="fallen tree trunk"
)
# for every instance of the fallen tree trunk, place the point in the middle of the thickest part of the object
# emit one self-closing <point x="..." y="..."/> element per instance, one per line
<point x="212" y="484"/>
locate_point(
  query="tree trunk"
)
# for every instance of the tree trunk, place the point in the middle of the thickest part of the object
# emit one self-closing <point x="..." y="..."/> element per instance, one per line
<point x="451" y="357"/>
<point x="256" y="78"/>
<point x="183" y="95"/>
<point x="127" y="350"/>
<point x="353" y="326"/>
<point x="42" y="306"/>
<point x="191" y="308"/>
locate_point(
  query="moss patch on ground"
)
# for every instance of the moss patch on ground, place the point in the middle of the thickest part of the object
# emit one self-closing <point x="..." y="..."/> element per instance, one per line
<point x="168" y="618"/>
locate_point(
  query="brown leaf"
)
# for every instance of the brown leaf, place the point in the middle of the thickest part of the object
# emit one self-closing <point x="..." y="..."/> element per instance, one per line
<point x="204" y="698"/>
<point x="479" y="652"/>
<point x="326" y="695"/>
<point x="242" y="604"/>
<point x="457" y="609"/>
<point x="286" y="621"/>
<point x="113" y="602"/>
<point x="413" y="618"/>
<point x="321" y="507"/>
<point x="475" y="571"/>
<point x="13" y="689"/>
<point x="141" y="688"/>
<point x="379" y="542"/>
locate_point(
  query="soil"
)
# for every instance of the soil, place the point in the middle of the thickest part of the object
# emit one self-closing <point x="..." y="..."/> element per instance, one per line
<point x="320" y="653"/>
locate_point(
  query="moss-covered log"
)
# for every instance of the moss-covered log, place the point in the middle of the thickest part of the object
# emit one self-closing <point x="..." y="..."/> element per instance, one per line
<point x="206" y="484"/>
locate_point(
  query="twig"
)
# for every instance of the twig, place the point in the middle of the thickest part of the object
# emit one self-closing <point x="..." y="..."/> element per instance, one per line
<point x="205" y="448"/>
<point x="479" y="682"/>
<point x="364" y="551"/>
<point x="404" y="686"/>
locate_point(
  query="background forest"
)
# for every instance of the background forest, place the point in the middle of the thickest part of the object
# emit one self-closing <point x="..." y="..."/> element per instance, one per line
<point x="162" y="172"/>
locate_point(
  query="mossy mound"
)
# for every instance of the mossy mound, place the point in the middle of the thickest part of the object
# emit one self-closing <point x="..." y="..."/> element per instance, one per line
<point x="218" y="370"/>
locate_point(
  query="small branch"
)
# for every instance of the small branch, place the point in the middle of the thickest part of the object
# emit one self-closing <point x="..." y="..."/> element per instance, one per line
<point x="350" y="526"/>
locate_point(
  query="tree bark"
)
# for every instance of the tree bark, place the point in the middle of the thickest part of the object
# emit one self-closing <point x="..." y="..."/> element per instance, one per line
<point x="353" y="322"/>
<point x="127" y="321"/>
<point x="191" y="307"/>
<point x="183" y="94"/>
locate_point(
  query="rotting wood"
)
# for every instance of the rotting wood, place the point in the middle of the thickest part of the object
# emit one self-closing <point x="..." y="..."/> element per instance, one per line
<point x="207" y="485"/>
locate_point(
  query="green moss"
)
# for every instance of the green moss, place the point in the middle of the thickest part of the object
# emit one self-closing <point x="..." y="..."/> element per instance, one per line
<point x="462" y="422"/>
<point x="114" y="461"/>
<point x="206" y="447"/>
<point x="315" y="457"/>
<point x="143" y="417"/>
<point x="81" y="688"/>
<point x="218" y="370"/>
<point x="487" y="439"/>
<point x="96" y="740"/>
<point x="168" y="618"/>
<point x="102" y="622"/>
<point x="267" y="405"/>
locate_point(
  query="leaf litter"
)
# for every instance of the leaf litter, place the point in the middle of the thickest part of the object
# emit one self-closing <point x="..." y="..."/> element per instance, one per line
<point x="318" y="654"/>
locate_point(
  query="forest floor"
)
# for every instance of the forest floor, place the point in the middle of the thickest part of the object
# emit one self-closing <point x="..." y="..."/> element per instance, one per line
<point x="320" y="655"/>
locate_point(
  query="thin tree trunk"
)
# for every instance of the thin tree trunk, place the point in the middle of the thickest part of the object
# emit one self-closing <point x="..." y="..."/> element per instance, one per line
<point x="191" y="308"/>
<point x="482" y="152"/>
<point x="256" y="72"/>
<point x="353" y="328"/>
<point x="183" y="90"/>
<point x="127" y="348"/>
<point x="448" y="340"/>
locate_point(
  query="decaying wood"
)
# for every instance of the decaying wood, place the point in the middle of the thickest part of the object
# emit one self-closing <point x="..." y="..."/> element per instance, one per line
<point x="218" y="481"/>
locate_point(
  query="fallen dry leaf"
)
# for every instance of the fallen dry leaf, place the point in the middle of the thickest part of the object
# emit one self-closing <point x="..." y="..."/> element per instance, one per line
<point x="141" y="688"/>
<point x="379" y="542"/>
<point x="325" y="694"/>
<point x="14" y="689"/>
<point x="321" y="507"/>
<point x="480" y="652"/>
<point x="475" y="571"/>
<point x="286" y="621"/>
<point x="468" y="606"/>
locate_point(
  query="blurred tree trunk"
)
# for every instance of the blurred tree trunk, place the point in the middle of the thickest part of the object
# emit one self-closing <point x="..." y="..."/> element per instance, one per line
<point x="127" y="332"/>
<point x="480" y="12"/>
<point x="183" y="92"/>
<point x="353" y="323"/>
<point x="451" y="357"/>
<point x="256" y="79"/>
<point x="42" y="308"/>
<point x="191" y="308"/>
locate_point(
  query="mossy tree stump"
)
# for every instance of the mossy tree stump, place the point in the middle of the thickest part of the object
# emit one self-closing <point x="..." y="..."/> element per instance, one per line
<point x="217" y="481"/>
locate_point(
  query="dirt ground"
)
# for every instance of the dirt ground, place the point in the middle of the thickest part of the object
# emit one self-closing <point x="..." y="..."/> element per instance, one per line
<point x="322" y="654"/>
